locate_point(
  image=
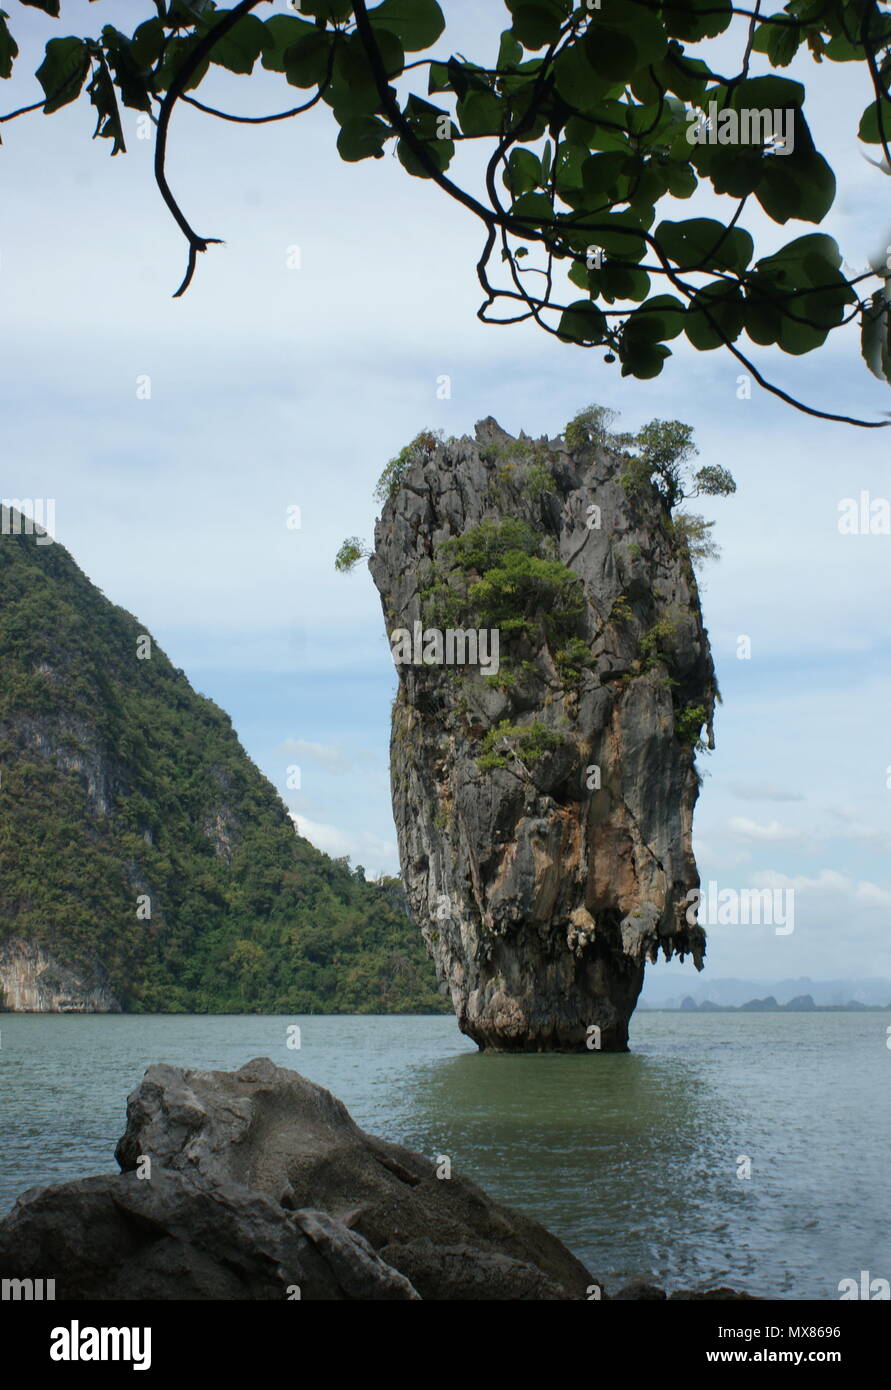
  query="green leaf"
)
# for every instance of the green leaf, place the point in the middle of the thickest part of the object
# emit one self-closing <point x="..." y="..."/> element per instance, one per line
<point x="439" y="78"/>
<point x="50" y="7"/>
<point x="685" y="76"/>
<point x="762" y="319"/>
<point x="146" y="44"/>
<point x="800" y="185"/>
<point x="642" y="359"/>
<point x="616" y="233"/>
<point x="108" y="115"/>
<point x="648" y="181"/>
<point x="582" y="322"/>
<point x="702" y="243"/>
<point x="128" y="73"/>
<point x="681" y="179"/>
<point x="306" y="60"/>
<point x="240" y="48"/>
<point x="840" y="49"/>
<point x="778" y="38"/>
<point x="807" y="261"/>
<point x="353" y="89"/>
<point x="767" y="93"/>
<point x="533" y="207"/>
<point x="481" y="113"/>
<point x="606" y="175"/>
<point x="696" y="19"/>
<point x="175" y="55"/>
<point x="362" y="137"/>
<point x="575" y="79"/>
<point x="282" y="32"/>
<point x="875" y="336"/>
<point x="331" y="11"/>
<point x="566" y="176"/>
<point x="438" y="152"/>
<point x="869" y="130"/>
<point x="537" y="24"/>
<point x="733" y="169"/>
<point x="620" y="282"/>
<point x="9" y="49"/>
<point x="416" y="23"/>
<point x="715" y="316"/>
<point x="63" y="72"/>
<point x="658" y="318"/>
<point x="523" y="172"/>
<point x="623" y="37"/>
<point x="510" y="52"/>
<point x="798" y="338"/>
<point x="427" y="121"/>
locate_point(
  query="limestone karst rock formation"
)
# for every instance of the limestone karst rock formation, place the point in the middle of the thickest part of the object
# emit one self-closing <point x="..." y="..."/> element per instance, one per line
<point x="543" y="802"/>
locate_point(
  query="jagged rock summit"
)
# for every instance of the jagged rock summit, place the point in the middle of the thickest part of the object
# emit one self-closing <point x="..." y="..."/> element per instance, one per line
<point x="542" y="759"/>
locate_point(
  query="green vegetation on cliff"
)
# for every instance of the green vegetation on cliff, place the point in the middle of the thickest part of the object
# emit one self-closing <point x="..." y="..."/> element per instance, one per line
<point x="123" y="793"/>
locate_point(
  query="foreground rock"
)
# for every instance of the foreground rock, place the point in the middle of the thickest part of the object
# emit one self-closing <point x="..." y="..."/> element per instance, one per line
<point x="257" y="1184"/>
<point x="260" y="1184"/>
<point x="544" y="808"/>
<point x="177" y="1237"/>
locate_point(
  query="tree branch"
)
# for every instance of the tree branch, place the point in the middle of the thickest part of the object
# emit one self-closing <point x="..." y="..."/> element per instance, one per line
<point x="174" y="92"/>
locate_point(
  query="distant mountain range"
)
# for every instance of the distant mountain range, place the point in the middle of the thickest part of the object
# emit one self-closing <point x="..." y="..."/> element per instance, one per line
<point x="802" y="993"/>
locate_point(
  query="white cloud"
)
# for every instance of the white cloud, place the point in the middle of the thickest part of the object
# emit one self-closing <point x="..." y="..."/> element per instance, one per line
<point x="826" y="881"/>
<point x="763" y="791"/>
<point x="751" y="830"/>
<point x="361" y="846"/>
<point x="329" y="756"/>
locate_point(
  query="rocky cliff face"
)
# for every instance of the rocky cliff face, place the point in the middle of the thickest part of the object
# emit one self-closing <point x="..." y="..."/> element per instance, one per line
<point x="543" y="800"/>
<point x="32" y="981"/>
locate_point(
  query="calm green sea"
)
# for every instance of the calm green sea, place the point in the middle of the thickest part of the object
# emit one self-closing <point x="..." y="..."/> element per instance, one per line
<point x="633" y="1160"/>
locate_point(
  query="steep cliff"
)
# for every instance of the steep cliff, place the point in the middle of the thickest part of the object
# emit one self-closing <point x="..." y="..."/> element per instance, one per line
<point x="544" y="798"/>
<point x="145" y="862"/>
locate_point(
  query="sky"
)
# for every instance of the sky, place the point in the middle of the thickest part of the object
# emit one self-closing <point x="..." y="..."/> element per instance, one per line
<point x="273" y="386"/>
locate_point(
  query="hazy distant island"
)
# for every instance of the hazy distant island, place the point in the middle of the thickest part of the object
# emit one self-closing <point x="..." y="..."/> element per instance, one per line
<point x="794" y="995"/>
<point x="801" y="1004"/>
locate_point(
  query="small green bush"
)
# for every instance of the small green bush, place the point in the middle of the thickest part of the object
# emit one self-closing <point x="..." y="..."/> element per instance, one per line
<point x="527" y="742"/>
<point x="420" y="450"/>
<point x="688" y="724"/>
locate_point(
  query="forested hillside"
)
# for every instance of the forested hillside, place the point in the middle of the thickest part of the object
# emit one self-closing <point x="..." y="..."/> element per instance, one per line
<point x="140" y="844"/>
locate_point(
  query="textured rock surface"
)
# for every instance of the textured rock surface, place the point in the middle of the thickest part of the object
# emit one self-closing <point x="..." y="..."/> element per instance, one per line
<point x="32" y="981"/>
<point x="541" y="899"/>
<point x="185" y="1237"/>
<point x="269" y="1130"/>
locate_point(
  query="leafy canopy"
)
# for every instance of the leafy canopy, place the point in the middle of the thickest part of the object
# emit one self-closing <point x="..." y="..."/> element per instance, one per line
<point x="596" y="118"/>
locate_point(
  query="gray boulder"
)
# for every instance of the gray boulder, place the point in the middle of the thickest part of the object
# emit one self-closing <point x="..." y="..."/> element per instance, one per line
<point x="173" y="1236"/>
<point x="269" y="1130"/>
